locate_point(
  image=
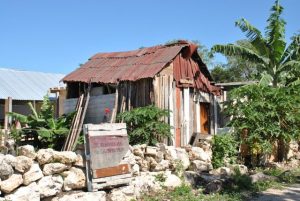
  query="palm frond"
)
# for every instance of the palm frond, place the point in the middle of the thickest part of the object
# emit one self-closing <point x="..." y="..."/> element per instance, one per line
<point x="290" y="65"/>
<point x="292" y="52"/>
<point x="275" y="32"/>
<point x="239" y="51"/>
<point x="19" y="117"/>
<point x="253" y="35"/>
<point x="33" y="111"/>
<point x="266" y="79"/>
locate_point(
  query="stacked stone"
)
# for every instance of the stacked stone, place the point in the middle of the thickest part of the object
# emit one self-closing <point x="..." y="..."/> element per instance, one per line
<point x="36" y="175"/>
<point x="161" y="158"/>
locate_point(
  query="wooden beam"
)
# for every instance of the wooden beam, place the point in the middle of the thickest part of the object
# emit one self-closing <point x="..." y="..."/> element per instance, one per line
<point x="215" y="114"/>
<point x="186" y="114"/>
<point x="186" y="81"/>
<point x="7" y="108"/>
<point x="171" y="109"/>
<point x="198" y="119"/>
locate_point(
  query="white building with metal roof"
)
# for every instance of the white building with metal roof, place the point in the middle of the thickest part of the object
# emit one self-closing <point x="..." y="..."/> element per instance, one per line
<point x="24" y="86"/>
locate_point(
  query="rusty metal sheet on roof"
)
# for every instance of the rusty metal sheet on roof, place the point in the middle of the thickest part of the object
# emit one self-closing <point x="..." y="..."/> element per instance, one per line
<point x="125" y="66"/>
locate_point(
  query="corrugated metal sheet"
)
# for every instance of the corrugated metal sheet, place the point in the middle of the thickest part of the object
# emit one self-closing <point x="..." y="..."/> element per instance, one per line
<point x="27" y="85"/>
<point x="125" y="66"/>
<point x="188" y="69"/>
<point x="146" y="63"/>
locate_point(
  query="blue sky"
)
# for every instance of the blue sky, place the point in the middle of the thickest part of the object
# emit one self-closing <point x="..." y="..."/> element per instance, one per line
<point x="58" y="35"/>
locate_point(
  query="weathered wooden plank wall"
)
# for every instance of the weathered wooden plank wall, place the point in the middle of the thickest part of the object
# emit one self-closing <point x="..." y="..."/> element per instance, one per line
<point x="134" y="94"/>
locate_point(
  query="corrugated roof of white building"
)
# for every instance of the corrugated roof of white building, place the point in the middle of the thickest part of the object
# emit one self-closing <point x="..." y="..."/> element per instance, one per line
<point x="27" y="85"/>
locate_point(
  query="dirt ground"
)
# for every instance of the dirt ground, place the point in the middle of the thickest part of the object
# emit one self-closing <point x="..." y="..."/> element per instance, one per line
<point x="291" y="193"/>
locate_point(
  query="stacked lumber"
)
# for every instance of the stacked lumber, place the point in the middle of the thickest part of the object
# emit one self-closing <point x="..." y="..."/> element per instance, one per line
<point x="77" y="121"/>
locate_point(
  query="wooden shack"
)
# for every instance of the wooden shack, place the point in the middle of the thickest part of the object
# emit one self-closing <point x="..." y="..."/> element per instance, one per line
<point x="171" y="77"/>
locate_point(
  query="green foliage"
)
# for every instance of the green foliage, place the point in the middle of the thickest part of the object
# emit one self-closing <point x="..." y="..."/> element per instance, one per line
<point x="268" y="114"/>
<point x="160" y="177"/>
<point x="179" y="168"/>
<point x="269" y="54"/>
<point x="236" y="70"/>
<point x="146" y="125"/>
<point x="48" y="130"/>
<point x="186" y="193"/>
<point x="224" y="148"/>
<point x="290" y="176"/>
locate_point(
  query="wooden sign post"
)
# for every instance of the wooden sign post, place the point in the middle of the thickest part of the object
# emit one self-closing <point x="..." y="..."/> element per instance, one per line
<point x="105" y="146"/>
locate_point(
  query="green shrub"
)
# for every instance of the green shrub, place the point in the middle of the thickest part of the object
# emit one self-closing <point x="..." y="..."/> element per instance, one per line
<point x="269" y="114"/>
<point x="145" y="125"/>
<point x="48" y="131"/>
<point x="224" y="147"/>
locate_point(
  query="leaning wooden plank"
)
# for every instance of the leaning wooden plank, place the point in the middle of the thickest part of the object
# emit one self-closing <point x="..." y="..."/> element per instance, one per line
<point x="72" y="124"/>
<point x="105" y="179"/>
<point x="74" y="130"/>
<point x="79" y="102"/>
<point x="115" y="110"/>
<point x="81" y="120"/>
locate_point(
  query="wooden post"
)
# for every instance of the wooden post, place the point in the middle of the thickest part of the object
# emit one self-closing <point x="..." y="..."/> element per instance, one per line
<point x="186" y="114"/>
<point x="7" y="108"/>
<point x="171" y="108"/>
<point x="198" y="119"/>
<point x="215" y="114"/>
<point x="61" y="99"/>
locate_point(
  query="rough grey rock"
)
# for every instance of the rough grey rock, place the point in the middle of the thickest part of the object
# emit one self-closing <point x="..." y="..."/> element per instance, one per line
<point x="237" y="167"/>
<point x="65" y="157"/>
<point x="25" y="193"/>
<point x="224" y="171"/>
<point x="79" y="161"/>
<point x="33" y="174"/>
<point x="74" y="179"/>
<point x="45" y="156"/>
<point x="214" y="186"/>
<point x="23" y="163"/>
<point x="10" y="184"/>
<point x="50" y="185"/>
<point x="198" y="153"/>
<point x="172" y="180"/>
<point x="145" y="183"/>
<point x="163" y="165"/>
<point x="138" y="151"/>
<point x="6" y="169"/>
<point x="27" y="150"/>
<point x="261" y="177"/>
<point x="151" y="162"/>
<point x="183" y="157"/>
<point x="81" y="196"/>
<point x="129" y="158"/>
<point x="10" y="159"/>
<point x="55" y="168"/>
<point x="200" y="166"/>
<point x="151" y="151"/>
<point x="126" y="193"/>
<point x="170" y="153"/>
<point x="135" y="170"/>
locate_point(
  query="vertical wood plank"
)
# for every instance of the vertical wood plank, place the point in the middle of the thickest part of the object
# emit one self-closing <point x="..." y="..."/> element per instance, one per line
<point x="198" y="121"/>
<point x="178" y="117"/>
<point x="186" y="114"/>
<point x="171" y="109"/>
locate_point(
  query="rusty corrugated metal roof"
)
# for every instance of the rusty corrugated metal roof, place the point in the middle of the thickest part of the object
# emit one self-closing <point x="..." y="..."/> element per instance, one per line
<point x="125" y="66"/>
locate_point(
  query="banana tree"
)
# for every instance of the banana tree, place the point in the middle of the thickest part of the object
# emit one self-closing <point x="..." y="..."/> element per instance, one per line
<point x="274" y="59"/>
<point x="49" y="131"/>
